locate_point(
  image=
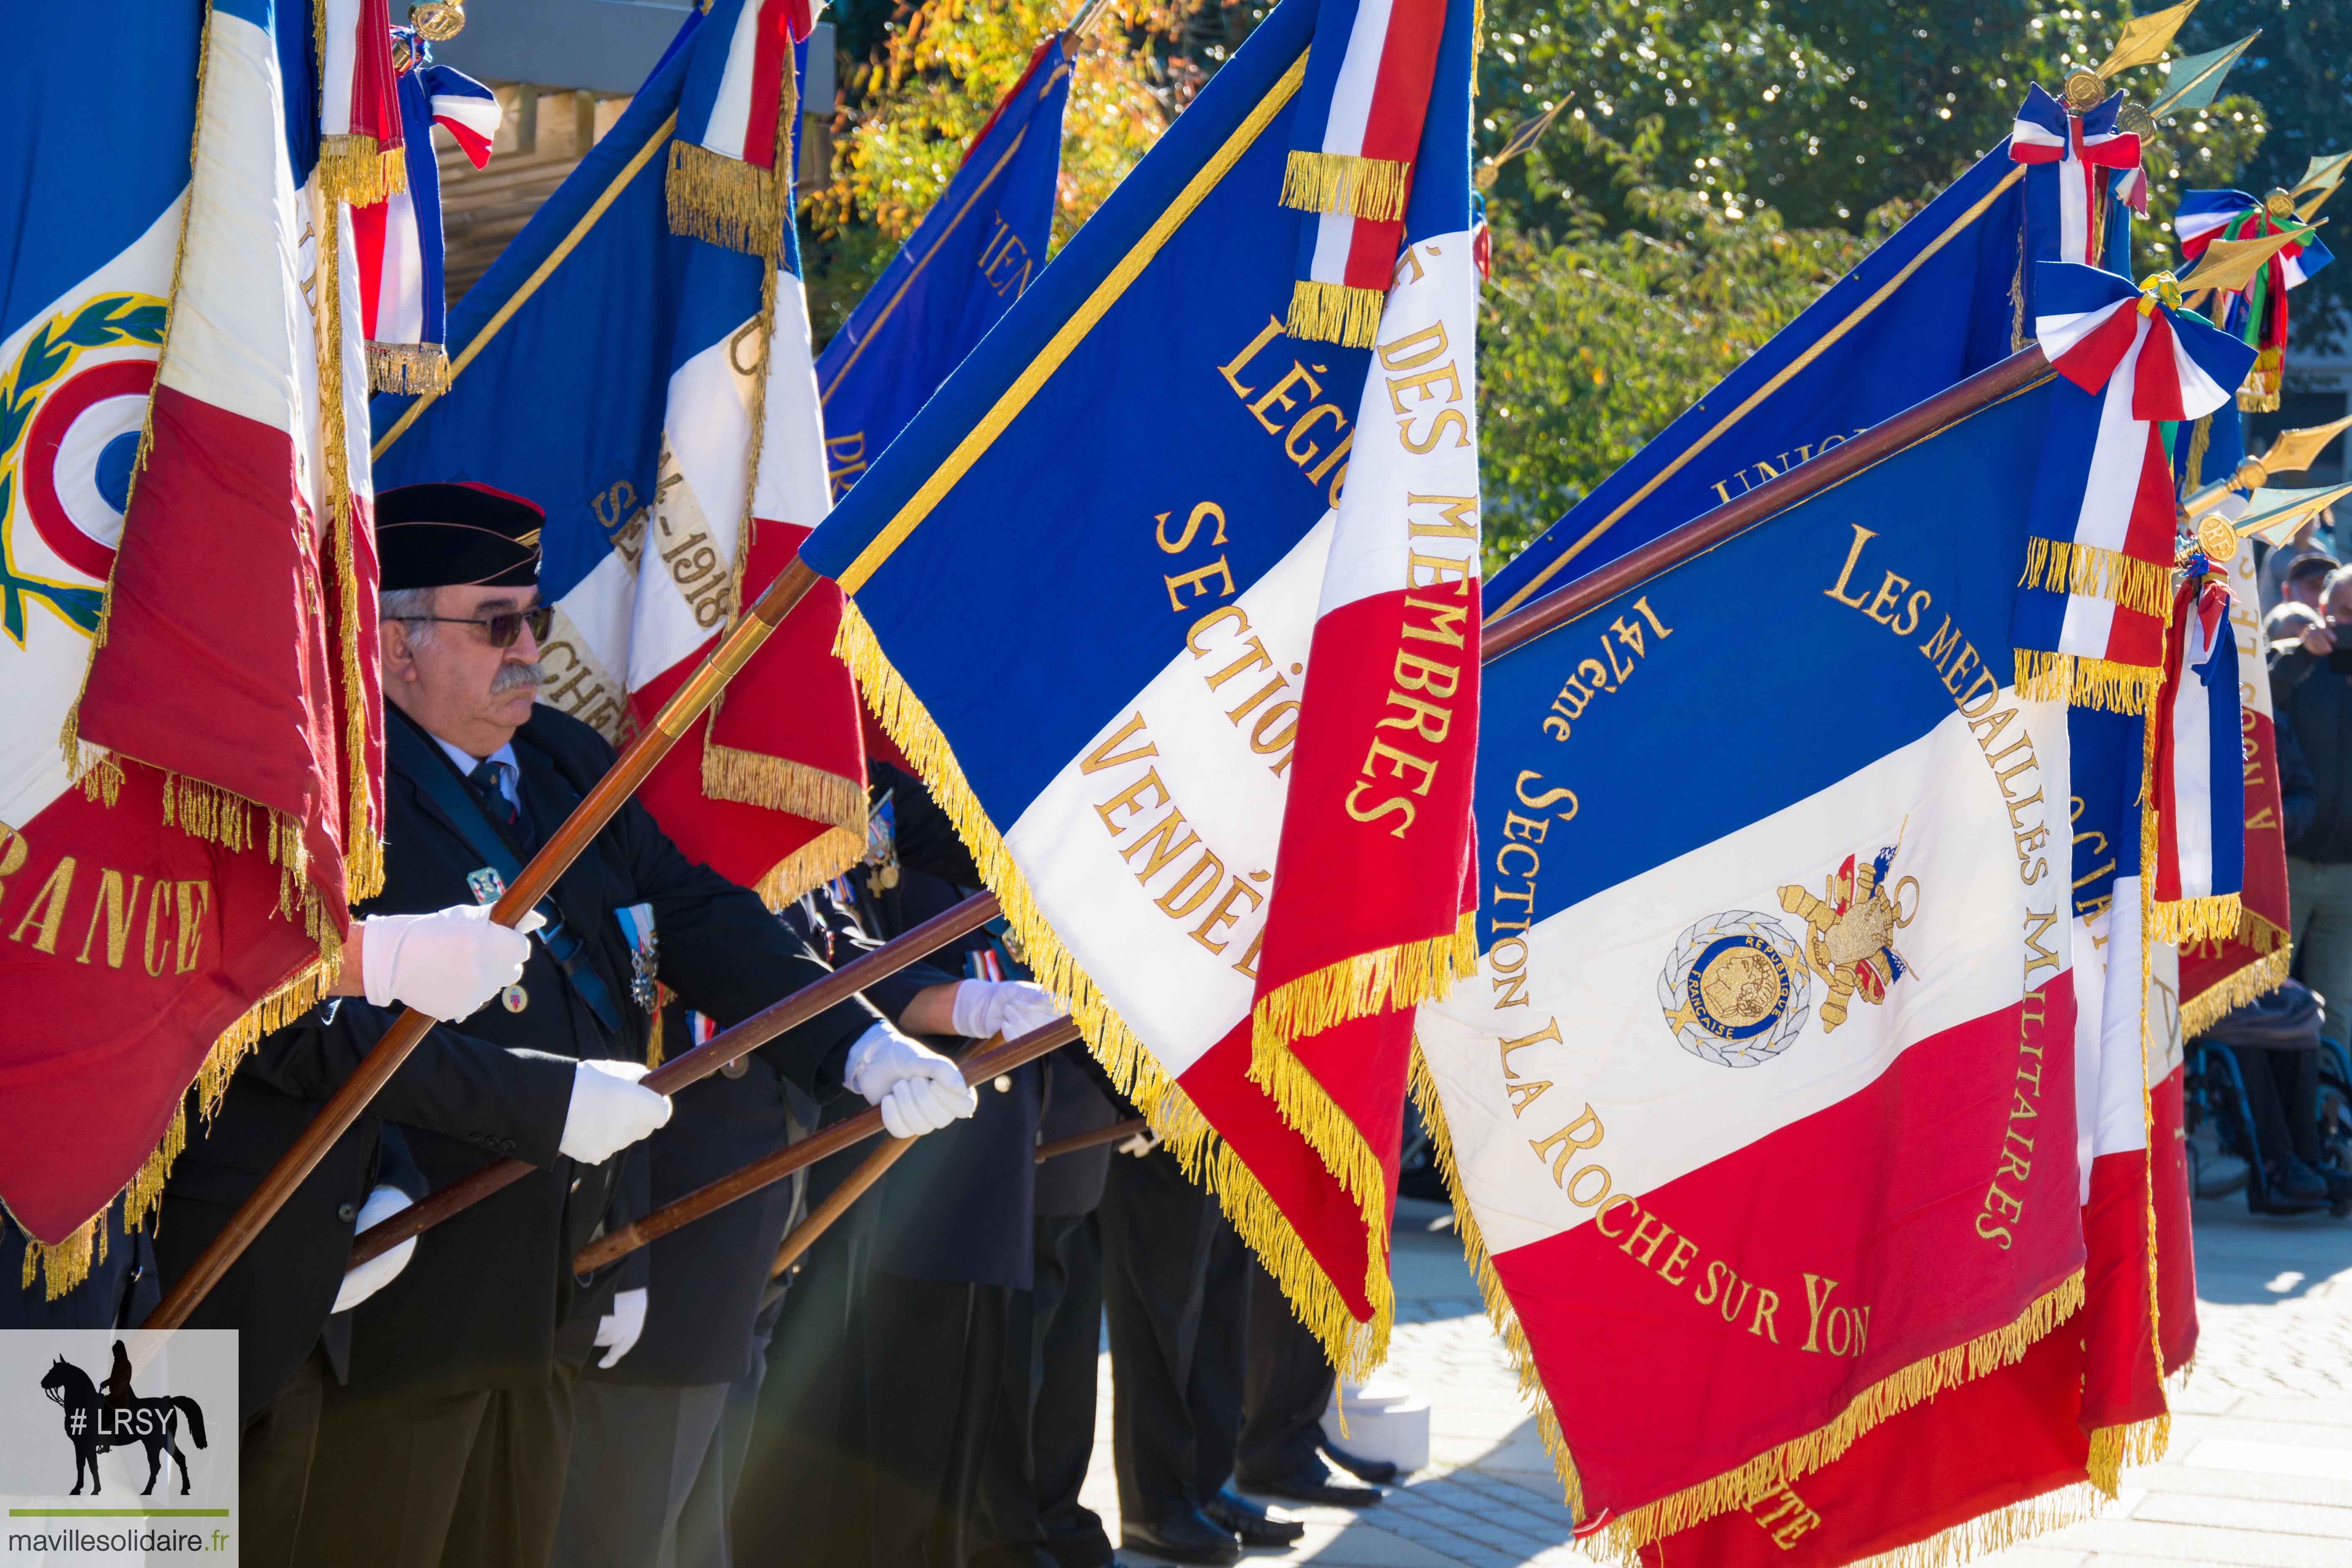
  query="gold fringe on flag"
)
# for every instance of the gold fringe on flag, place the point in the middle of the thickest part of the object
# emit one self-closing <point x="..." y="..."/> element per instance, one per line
<point x="1353" y="1346"/>
<point x="2136" y="1443"/>
<point x="821" y="859"/>
<point x="1346" y="183"/>
<point x="2184" y="920"/>
<point x="69" y="1263"/>
<point x="1995" y="1531"/>
<point x="2217" y="1000"/>
<point x="2259" y="394"/>
<point x="408" y="369"/>
<point x="1334" y="313"/>
<point x="750" y="778"/>
<point x="1395" y="977"/>
<point x="2087" y="682"/>
<point x="1912" y="1386"/>
<point x="2063" y="567"/>
<point x="359" y="171"/>
<point x="724" y="200"/>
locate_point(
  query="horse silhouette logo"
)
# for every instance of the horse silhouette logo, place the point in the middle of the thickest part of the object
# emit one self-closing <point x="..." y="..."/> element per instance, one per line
<point x="117" y="1417"/>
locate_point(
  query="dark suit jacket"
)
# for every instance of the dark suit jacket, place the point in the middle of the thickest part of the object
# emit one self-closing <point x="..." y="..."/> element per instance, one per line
<point x="279" y="1292"/>
<point x="709" y="1278"/>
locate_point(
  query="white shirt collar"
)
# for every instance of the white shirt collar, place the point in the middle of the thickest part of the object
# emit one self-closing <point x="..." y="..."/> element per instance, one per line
<point x="509" y="773"/>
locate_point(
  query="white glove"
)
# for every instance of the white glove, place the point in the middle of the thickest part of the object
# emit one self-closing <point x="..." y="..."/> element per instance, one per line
<point x="373" y="1276"/>
<point x="444" y="965"/>
<point x="1008" y="1007"/>
<point x="917" y="1090"/>
<point x="609" y="1111"/>
<point x="617" y="1331"/>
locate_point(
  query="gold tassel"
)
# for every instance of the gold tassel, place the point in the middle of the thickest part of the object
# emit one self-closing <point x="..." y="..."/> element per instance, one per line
<point x="1345" y="183"/>
<point x="1334" y="313"/>
<point x="2087" y="682"/>
<point x="408" y="369"/>
<point x="2182" y="921"/>
<point x="1354" y="1346"/>
<point x="724" y="200"/>
<point x="653" y="1034"/>
<point x="358" y="171"/>
<point x="2260" y="392"/>
<point x="2200" y="440"/>
<point x="2217" y="1000"/>
<point x="2061" y="566"/>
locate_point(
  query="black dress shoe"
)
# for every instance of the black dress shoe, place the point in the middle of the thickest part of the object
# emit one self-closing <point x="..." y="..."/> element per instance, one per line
<point x="1192" y="1537"/>
<point x="1379" y="1472"/>
<point x="1255" y="1525"/>
<point x="1313" y="1482"/>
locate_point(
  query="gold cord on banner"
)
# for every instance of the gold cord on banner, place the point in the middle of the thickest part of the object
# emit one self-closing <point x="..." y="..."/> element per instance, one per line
<point x="362" y="842"/>
<point x="1353" y="1346"/>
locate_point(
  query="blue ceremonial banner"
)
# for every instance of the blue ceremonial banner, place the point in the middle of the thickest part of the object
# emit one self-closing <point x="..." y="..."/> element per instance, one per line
<point x="1086" y="579"/>
<point x="1934" y="304"/>
<point x="978" y="247"/>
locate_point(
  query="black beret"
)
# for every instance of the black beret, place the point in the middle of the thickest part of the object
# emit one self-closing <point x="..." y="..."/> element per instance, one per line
<point x="456" y="535"/>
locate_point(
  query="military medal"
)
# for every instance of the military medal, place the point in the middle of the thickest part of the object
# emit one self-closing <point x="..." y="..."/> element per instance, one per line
<point x="486" y="885"/>
<point x="514" y="998"/>
<point x="644" y="953"/>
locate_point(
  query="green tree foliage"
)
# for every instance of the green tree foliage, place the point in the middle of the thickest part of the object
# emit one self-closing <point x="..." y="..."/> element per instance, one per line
<point x="1715" y="166"/>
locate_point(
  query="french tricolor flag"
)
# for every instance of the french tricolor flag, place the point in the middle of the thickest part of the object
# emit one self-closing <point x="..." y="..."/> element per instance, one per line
<point x="403" y="300"/>
<point x="2098" y="581"/>
<point x="2200" y="862"/>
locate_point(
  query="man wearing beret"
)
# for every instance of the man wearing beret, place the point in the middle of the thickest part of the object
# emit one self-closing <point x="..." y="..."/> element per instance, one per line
<point x="450" y="1443"/>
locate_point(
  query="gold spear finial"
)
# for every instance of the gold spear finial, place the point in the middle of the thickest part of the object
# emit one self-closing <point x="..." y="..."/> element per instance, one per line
<point x="2144" y="38"/>
<point x="2229" y="265"/>
<point x="2319" y="181"/>
<point x="2296" y="450"/>
<point x="2276" y="514"/>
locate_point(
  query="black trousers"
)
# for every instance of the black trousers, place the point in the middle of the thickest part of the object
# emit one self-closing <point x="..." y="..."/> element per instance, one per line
<point x="930" y="1354"/>
<point x="1158" y="1233"/>
<point x="276" y="1447"/>
<point x="804" y="1448"/>
<point x="473" y="1480"/>
<point x="1038" y="1454"/>
<point x="1286" y="1386"/>
<point x="2282" y="1097"/>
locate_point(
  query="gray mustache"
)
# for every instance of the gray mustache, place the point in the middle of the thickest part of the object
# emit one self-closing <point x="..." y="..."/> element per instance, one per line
<point x="511" y="677"/>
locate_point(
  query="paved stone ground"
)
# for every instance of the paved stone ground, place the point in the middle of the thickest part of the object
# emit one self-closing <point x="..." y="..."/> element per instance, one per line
<point x="2258" y="1475"/>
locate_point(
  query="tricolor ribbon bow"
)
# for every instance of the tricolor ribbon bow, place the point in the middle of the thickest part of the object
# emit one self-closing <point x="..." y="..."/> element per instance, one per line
<point x="1352" y="141"/>
<point x="730" y="168"/>
<point x="2072" y="161"/>
<point x="2198" y="777"/>
<point x="2098" y="571"/>
<point x="2258" y="311"/>
<point x="402" y="298"/>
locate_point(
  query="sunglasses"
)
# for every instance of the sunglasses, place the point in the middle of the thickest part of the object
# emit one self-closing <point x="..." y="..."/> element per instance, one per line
<point x="505" y="627"/>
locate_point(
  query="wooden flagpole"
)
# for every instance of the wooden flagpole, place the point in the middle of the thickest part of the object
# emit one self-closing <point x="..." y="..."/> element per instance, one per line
<point x="587" y="819"/>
